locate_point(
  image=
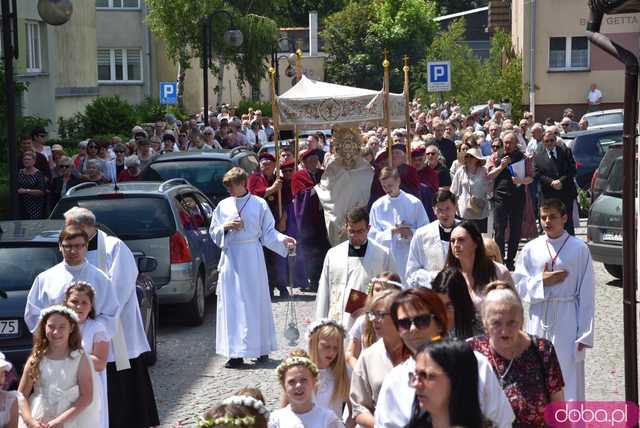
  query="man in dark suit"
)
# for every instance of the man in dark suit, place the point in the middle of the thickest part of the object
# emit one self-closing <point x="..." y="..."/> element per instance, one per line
<point x="555" y="171"/>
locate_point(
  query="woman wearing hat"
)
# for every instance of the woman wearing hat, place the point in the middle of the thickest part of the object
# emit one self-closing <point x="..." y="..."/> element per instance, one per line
<point x="8" y="399"/>
<point x="471" y="185"/>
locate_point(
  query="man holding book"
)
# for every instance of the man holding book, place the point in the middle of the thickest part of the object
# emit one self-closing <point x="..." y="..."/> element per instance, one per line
<point x="348" y="268"/>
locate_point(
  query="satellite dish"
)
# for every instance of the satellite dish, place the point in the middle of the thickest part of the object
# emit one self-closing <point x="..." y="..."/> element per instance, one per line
<point x="55" y="12"/>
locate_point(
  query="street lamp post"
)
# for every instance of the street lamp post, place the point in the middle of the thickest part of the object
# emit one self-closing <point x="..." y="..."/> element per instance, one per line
<point x="53" y="12"/>
<point x="232" y="37"/>
<point x="282" y="45"/>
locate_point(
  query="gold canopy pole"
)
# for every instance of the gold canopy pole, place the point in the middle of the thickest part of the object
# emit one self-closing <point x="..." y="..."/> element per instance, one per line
<point x="385" y="106"/>
<point x="295" y="127"/>
<point x="407" y="117"/>
<point x="276" y="131"/>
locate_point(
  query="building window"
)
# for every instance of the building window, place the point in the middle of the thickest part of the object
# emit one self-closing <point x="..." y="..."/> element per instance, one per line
<point x="118" y="4"/>
<point x="119" y="65"/>
<point x="568" y="53"/>
<point x="34" y="48"/>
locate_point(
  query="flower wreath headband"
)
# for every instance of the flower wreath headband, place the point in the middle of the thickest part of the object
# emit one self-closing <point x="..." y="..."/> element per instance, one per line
<point x="227" y="420"/>
<point x="296" y="361"/>
<point x="248" y="401"/>
<point x="79" y="283"/>
<point x="315" y="326"/>
<point x="60" y="310"/>
<point x="383" y="281"/>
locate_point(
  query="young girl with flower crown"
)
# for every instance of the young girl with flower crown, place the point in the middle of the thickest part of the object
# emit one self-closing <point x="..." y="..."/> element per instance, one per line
<point x="362" y="334"/>
<point x="57" y="381"/>
<point x="244" y="409"/>
<point x="80" y="296"/>
<point x="326" y="350"/>
<point x="298" y="376"/>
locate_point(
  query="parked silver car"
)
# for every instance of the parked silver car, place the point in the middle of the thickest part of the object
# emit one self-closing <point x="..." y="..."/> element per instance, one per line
<point x="165" y="220"/>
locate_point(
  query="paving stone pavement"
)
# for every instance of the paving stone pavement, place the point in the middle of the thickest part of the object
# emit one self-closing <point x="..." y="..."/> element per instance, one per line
<point x="189" y="378"/>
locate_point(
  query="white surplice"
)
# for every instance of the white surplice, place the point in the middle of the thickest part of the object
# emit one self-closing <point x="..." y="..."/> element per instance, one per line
<point x="120" y="266"/>
<point x="244" y="319"/>
<point x="93" y="332"/>
<point x="427" y="255"/>
<point x="341" y="273"/>
<point x="395" y="401"/>
<point x="49" y="286"/>
<point x="339" y="191"/>
<point x="562" y="313"/>
<point x="388" y="212"/>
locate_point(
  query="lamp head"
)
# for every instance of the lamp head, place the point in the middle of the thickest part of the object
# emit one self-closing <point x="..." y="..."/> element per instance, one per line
<point x="55" y="12"/>
<point x="233" y="38"/>
<point x="283" y="44"/>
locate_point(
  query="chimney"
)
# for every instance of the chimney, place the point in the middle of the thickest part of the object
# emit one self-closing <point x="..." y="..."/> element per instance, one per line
<point x="313" y="33"/>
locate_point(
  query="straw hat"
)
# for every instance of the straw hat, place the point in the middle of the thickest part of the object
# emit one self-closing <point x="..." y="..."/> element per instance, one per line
<point x="476" y="153"/>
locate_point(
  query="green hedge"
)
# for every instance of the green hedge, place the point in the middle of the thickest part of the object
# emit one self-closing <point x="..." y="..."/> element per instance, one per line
<point x="245" y="104"/>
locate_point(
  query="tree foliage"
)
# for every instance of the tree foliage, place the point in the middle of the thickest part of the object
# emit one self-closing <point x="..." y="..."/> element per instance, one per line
<point x="474" y="81"/>
<point x="356" y="38"/>
<point x="179" y="24"/>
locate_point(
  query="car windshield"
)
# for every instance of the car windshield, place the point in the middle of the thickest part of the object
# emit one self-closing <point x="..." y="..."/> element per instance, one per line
<point x="18" y="275"/>
<point x="126" y="217"/>
<point x="607" y="162"/>
<point x="205" y="175"/>
<point x="605" y="119"/>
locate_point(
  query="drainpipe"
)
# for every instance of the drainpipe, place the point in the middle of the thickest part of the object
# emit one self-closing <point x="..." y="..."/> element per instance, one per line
<point x="146" y="65"/>
<point x="629" y="261"/>
<point x="532" y="59"/>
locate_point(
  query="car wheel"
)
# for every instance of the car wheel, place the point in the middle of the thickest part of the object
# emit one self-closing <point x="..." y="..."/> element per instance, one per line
<point x="195" y="309"/>
<point x="150" y="358"/>
<point x="614" y="270"/>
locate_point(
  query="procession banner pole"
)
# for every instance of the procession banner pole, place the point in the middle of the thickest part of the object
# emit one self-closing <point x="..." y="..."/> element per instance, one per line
<point x="385" y="106"/>
<point x="276" y="132"/>
<point x="298" y="77"/>
<point x="407" y="117"/>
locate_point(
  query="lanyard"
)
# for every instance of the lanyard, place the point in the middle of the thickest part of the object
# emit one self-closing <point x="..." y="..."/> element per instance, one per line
<point x="243" y="205"/>
<point x="554" y="258"/>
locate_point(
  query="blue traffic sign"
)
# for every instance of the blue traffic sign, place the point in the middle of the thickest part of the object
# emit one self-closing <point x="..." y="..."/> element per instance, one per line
<point x="168" y="93"/>
<point x="439" y="76"/>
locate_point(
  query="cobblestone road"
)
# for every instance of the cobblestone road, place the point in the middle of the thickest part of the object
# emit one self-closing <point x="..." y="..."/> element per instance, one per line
<point x="189" y="378"/>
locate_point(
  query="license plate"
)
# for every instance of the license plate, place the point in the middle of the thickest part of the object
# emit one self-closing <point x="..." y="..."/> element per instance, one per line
<point x="9" y="328"/>
<point x="614" y="237"/>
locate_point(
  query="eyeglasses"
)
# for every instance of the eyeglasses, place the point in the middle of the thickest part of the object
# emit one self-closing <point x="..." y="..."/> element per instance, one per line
<point x="421" y="321"/>
<point x="75" y="247"/>
<point x="376" y="315"/>
<point x="431" y="153"/>
<point x="118" y="151"/>
<point x="421" y="376"/>
<point x="64" y="166"/>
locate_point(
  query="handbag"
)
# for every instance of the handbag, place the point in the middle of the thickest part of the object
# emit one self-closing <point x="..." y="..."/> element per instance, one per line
<point x="474" y="204"/>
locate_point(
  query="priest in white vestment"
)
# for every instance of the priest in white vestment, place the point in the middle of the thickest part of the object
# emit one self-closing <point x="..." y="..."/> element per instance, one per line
<point x="345" y="184"/>
<point x="554" y="274"/>
<point x="49" y="286"/>
<point x="430" y="244"/>
<point x="350" y="265"/>
<point x="131" y="396"/>
<point x="395" y="218"/>
<point x="241" y="225"/>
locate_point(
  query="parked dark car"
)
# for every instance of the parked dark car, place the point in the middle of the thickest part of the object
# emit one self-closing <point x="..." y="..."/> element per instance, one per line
<point x="168" y="221"/>
<point x="604" y="226"/>
<point x="28" y="247"/>
<point x="588" y="148"/>
<point x="601" y="175"/>
<point x="203" y="169"/>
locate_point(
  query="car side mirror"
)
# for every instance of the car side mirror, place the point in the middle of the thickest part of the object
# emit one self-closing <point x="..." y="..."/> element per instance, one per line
<point x="147" y="264"/>
<point x="3" y="294"/>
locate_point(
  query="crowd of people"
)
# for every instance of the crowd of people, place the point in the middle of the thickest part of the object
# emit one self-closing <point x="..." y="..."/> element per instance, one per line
<point x="419" y="307"/>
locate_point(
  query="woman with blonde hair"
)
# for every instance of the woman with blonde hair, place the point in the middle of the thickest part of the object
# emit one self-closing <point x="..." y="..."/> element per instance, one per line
<point x="492" y="250"/>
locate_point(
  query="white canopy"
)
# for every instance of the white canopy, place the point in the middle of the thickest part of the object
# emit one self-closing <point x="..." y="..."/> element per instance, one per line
<point x="321" y="104"/>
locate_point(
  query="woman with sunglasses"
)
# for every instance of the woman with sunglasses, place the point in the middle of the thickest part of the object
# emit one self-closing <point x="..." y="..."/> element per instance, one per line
<point x="471" y="185"/>
<point x="446" y="384"/>
<point x="63" y="182"/>
<point x="420" y="316"/>
<point x="121" y="153"/>
<point x="377" y="360"/>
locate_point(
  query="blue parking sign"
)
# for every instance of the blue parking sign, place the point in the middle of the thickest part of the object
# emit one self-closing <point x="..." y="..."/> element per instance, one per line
<point x="439" y="76"/>
<point x="168" y="93"/>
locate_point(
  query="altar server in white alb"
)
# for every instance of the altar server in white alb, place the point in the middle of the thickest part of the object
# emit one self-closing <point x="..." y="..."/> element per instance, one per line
<point x="241" y="225"/>
<point x="554" y="273"/>
<point x="49" y="286"/>
<point x="350" y="265"/>
<point x="131" y="398"/>
<point x="395" y="217"/>
<point x="430" y="244"/>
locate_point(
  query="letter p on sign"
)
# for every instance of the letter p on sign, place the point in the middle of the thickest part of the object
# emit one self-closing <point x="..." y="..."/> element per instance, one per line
<point x="439" y="76"/>
<point x="168" y="93"/>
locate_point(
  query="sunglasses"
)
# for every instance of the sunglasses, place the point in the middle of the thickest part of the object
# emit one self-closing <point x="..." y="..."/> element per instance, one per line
<point x="64" y="166"/>
<point x="118" y="151"/>
<point x="431" y="154"/>
<point x="549" y="141"/>
<point x="421" y="322"/>
<point x="496" y="147"/>
<point x="376" y="315"/>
